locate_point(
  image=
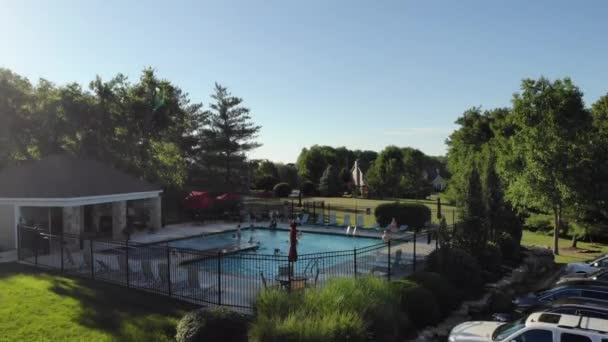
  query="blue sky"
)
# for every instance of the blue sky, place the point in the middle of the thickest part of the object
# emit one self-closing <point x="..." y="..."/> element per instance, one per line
<point x="363" y="74"/>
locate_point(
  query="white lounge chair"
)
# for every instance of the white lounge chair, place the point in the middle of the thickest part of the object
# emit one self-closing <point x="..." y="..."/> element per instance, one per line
<point x="303" y="219"/>
<point x="402" y="228"/>
<point x="332" y="220"/>
<point x="321" y="220"/>
<point x="360" y="221"/>
<point x="346" y="220"/>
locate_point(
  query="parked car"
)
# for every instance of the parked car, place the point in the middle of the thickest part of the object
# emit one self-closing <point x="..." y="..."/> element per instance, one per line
<point x="601" y="274"/>
<point x="574" y="289"/>
<point x="537" y="327"/>
<point x="570" y="306"/>
<point x="587" y="266"/>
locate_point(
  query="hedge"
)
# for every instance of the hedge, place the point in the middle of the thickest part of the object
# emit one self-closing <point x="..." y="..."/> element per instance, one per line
<point x="212" y="325"/>
<point x="446" y="295"/>
<point x="282" y="190"/>
<point x="418" y="302"/>
<point x="412" y="214"/>
<point x="458" y="266"/>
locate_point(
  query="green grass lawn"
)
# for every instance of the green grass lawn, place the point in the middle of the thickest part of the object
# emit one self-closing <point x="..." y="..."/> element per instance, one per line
<point x="584" y="250"/>
<point x="341" y="202"/>
<point x="41" y="306"/>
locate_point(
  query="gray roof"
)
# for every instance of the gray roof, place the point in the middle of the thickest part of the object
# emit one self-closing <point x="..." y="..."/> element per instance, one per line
<point x="67" y="177"/>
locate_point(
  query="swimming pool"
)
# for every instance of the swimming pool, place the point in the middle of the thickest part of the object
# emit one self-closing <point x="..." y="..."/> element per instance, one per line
<point x="271" y="240"/>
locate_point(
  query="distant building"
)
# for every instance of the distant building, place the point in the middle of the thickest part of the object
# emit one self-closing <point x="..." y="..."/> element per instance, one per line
<point x="434" y="177"/>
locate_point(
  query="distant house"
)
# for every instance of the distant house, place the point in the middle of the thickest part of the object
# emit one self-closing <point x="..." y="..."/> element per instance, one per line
<point x="63" y="194"/>
<point x="434" y="177"/>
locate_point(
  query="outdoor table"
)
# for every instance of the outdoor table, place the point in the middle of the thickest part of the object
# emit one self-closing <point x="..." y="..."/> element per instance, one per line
<point x="286" y="281"/>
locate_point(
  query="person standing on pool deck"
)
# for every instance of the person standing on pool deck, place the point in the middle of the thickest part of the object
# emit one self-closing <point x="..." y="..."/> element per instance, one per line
<point x="293" y="241"/>
<point x="238" y="232"/>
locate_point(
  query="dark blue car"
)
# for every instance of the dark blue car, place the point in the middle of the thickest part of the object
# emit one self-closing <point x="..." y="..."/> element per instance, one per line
<point x="584" y="290"/>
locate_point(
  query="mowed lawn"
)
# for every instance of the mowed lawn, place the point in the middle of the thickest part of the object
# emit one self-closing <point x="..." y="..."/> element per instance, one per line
<point x="342" y="206"/>
<point x="584" y="250"/>
<point x="43" y="306"/>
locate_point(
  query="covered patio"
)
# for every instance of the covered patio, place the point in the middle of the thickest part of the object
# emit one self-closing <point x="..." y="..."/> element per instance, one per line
<point x="63" y="194"/>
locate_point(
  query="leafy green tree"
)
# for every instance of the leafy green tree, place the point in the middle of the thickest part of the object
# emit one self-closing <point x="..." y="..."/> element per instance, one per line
<point x="329" y="184"/>
<point x="288" y="173"/>
<point x="385" y="176"/>
<point x="546" y="154"/>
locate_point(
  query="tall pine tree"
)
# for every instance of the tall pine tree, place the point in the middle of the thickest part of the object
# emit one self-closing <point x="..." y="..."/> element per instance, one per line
<point x="230" y="134"/>
<point x="329" y="184"/>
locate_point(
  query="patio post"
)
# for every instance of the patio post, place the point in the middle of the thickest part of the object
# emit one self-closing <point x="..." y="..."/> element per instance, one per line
<point x="92" y="259"/>
<point x="61" y="249"/>
<point x="36" y="238"/>
<point x="389" y="259"/>
<point x="414" y="251"/>
<point x="127" y="261"/>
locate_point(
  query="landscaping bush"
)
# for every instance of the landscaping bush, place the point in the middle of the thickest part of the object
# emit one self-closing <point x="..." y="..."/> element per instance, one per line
<point x="412" y="214"/>
<point x="509" y="247"/>
<point x="282" y="190"/>
<point x="212" y="325"/>
<point x="309" y="189"/>
<point x="418" y="302"/>
<point x="500" y="302"/>
<point x="539" y="222"/>
<point x="444" y="292"/>
<point x="344" y="310"/>
<point x="490" y="260"/>
<point x="458" y="266"/>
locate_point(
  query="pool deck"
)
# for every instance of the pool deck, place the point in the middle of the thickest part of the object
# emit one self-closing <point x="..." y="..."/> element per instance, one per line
<point x="190" y="229"/>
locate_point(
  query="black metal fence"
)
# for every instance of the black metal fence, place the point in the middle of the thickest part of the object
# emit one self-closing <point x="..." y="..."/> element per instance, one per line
<point x="215" y="277"/>
<point x="326" y="213"/>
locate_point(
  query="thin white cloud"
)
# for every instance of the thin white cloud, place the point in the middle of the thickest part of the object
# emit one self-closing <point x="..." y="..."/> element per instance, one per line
<point x="419" y="131"/>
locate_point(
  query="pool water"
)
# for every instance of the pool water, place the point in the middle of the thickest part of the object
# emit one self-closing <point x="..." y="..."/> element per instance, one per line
<point x="277" y="240"/>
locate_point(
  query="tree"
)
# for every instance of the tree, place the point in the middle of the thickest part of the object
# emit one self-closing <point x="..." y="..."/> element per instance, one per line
<point x="329" y="184"/>
<point x="230" y="135"/>
<point x="288" y="173"/>
<point x="385" y="176"/>
<point x="546" y="154"/>
<point x="472" y="232"/>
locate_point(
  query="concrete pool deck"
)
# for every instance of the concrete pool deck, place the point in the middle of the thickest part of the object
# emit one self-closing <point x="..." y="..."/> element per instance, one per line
<point x="191" y="229"/>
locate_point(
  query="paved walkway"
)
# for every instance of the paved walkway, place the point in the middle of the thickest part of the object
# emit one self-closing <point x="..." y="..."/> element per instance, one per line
<point x="9" y="256"/>
<point x="190" y="229"/>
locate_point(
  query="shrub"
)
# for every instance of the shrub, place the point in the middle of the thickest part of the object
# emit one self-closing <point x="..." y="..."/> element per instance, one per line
<point x="458" y="266"/>
<point x="538" y="222"/>
<point x="345" y="309"/>
<point x="418" y="302"/>
<point x="412" y="214"/>
<point x="444" y="292"/>
<point x="212" y="325"/>
<point x="500" y="302"/>
<point x="490" y="260"/>
<point x="509" y="247"/>
<point x="308" y="188"/>
<point x="282" y="190"/>
<point x="265" y="183"/>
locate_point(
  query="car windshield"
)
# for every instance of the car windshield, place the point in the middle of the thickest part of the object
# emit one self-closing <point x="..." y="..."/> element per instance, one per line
<point x="598" y="259"/>
<point x="508" y="329"/>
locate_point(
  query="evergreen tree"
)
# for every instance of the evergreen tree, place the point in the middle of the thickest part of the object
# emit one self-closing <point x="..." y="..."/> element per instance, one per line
<point x="329" y="184"/>
<point x="472" y="232"/>
<point x="230" y="135"/>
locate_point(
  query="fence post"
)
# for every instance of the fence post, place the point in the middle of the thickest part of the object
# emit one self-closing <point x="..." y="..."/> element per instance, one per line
<point x="453" y="216"/>
<point x="414" y="251"/>
<point x="314" y="211"/>
<point x="92" y="259"/>
<point x="355" y="260"/>
<point x="389" y="259"/>
<point x="219" y="277"/>
<point x="61" y="249"/>
<point x="127" y="261"/>
<point x="169" y="270"/>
